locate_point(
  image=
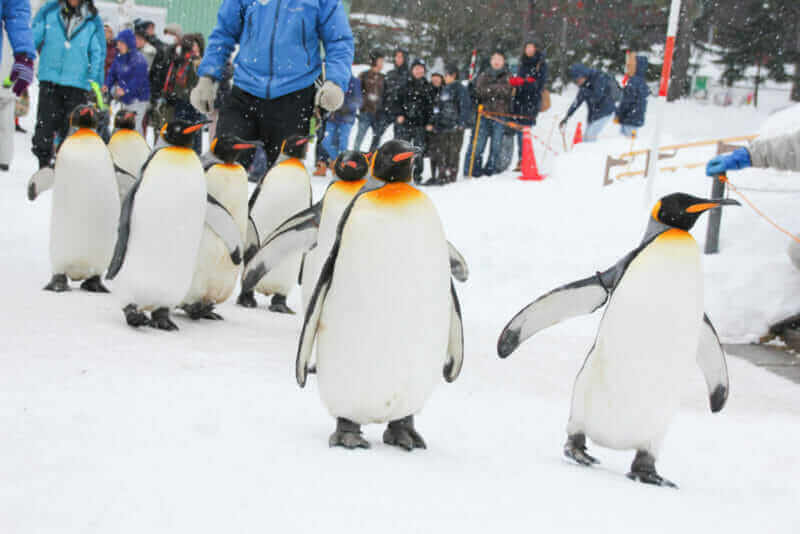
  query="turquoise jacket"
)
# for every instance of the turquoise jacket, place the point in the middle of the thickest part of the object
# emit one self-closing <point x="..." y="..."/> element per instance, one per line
<point x="75" y="59"/>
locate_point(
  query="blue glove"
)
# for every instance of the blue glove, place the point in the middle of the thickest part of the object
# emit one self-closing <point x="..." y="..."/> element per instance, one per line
<point x="736" y="160"/>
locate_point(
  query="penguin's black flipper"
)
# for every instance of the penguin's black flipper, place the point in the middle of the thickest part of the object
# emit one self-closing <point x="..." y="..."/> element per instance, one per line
<point x="711" y="359"/>
<point x="458" y="265"/>
<point x="455" y="343"/>
<point x="125" y="181"/>
<point x="41" y="181"/>
<point x="252" y="240"/>
<point x="298" y="233"/>
<point x="221" y="222"/>
<point x="123" y="233"/>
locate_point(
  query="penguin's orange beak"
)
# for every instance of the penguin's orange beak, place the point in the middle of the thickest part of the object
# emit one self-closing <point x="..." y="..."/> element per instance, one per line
<point x="84" y="111"/>
<point x="699" y="208"/>
<point x="352" y="164"/>
<point x="243" y="146"/>
<point x="301" y="141"/>
<point x="402" y="156"/>
<point x="192" y="129"/>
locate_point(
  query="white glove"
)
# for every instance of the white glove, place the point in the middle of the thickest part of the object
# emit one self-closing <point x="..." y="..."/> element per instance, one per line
<point x="204" y="94"/>
<point x="330" y="96"/>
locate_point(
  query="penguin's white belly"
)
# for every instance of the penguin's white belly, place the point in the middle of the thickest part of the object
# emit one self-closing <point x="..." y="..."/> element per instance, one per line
<point x="166" y="227"/>
<point x="286" y="191"/>
<point x="630" y="386"/>
<point x="129" y="151"/>
<point x="85" y="209"/>
<point x="383" y="331"/>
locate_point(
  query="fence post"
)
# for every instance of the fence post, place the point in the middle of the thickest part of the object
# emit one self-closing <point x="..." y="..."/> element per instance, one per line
<point x="715" y="215"/>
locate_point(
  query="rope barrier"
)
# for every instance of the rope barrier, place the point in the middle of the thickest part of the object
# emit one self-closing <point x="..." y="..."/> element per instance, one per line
<point x="724" y="179"/>
<point x="492" y="116"/>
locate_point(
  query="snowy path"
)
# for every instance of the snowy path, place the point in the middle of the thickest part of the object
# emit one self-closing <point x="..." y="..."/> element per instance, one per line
<point x="106" y="429"/>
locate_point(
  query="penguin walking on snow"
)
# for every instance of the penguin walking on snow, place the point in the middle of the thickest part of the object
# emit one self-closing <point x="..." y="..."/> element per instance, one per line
<point x="385" y="275"/>
<point x="652" y="331"/>
<point x="85" y="207"/>
<point x="284" y="191"/>
<point x="129" y="149"/>
<point x="215" y="274"/>
<point x="160" y="229"/>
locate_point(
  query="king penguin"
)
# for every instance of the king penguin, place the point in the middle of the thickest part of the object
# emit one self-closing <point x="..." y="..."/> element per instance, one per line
<point x="284" y="191"/>
<point x="652" y="330"/>
<point x="128" y="148"/>
<point x="160" y="229"/>
<point x="215" y="275"/>
<point x="385" y="275"/>
<point x="85" y="206"/>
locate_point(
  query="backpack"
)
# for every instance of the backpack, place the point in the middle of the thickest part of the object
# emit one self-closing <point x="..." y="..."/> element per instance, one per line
<point x="614" y="89"/>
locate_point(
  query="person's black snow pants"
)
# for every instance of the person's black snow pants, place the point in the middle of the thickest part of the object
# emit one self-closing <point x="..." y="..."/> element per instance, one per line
<point x="56" y="102"/>
<point x="271" y="121"/>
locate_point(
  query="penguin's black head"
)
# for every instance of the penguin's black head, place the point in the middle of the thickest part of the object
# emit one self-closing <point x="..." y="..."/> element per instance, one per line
<point x="125" y="120"/>
<point x="680" y="210"/>
<point x="351" y="166"/>
<point x="394" y="161"/>
<point x="295" y="146"/>
<point x="228" y="147"/>
<point x="83" y="116"/>
<point x="180" y="132"/>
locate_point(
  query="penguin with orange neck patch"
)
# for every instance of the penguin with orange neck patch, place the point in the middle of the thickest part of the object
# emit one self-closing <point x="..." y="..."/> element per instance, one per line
<point x="384" y="312"/>
<point x="160" y="229"/>
<point x="85" y="207"/>
<point x="652" y="332"/>
<point x="284" y="191"/>
<point x="128" y="148"/>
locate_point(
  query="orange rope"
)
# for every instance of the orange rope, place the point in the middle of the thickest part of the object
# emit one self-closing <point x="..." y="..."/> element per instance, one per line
<point x="724" y="179"/>
<point x="514" y="126"/>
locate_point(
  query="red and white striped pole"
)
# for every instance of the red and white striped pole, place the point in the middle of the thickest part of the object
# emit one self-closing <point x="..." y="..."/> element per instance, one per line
<point x="472" y="64"/>
<point x="666" y="71"/>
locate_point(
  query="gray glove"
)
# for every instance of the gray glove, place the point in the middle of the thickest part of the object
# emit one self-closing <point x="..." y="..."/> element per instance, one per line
<point x="204" y="94"/>
<point x="330" y="96"/>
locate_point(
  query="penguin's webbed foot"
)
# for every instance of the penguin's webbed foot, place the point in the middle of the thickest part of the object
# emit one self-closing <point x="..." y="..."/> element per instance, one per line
<point x="134" y="316"/>
<point x="160" y="319"/>
<point x="58" y="284"/>
<point x="643" y="470"/>
<point x="401" y="433"/>
<point x="94" y="285"/>
<point x="347" y="435"/>
<point x="278" y="305"/>
<point x="575" y="449"/>
<point x="200" y="310"/>
<point x="247" y="299"/>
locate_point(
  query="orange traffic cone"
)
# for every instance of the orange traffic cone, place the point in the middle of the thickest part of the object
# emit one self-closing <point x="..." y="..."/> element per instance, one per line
<point x="529" y="169"/>
<point x="578" y="135"/>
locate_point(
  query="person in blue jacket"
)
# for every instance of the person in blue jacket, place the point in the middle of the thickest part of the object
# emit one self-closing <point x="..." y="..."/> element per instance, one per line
<point x="633" y="106"/>
<point x="596" y="91"/>
<point x="279" y="60"/>
<point x="340" y="122"/>
<point x="71" y="41"/>
<point x="15" y="17"/>
<point x="127" y="79"/>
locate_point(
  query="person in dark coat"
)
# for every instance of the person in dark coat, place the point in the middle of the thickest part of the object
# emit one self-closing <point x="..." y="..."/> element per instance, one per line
<point x="371" y="113"/>
<point x="596" y="91"/>
<point x="451" y="111"/>
<point x="414" y="110"/>
<point x="394" y="85"/>
<point x="633" y="106"/>
<point x="493" y="89"/>
<point x="528" y="85"/>
<point x="111" y="47"/>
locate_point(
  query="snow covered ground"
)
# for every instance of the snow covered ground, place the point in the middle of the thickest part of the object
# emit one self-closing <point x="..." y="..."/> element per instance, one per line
<point x="109" y="429"/>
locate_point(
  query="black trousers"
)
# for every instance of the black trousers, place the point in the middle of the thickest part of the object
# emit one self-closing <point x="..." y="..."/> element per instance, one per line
<point x="271" y="121"/>
<point x="416" y="136"/>
<point x="445" y="151"/>
<point x="56" y="102"/>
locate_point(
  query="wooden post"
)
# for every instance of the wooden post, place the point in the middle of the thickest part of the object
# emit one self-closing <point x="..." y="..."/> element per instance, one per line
<point x="715" y="215"/>
<point x="475" y="139"/>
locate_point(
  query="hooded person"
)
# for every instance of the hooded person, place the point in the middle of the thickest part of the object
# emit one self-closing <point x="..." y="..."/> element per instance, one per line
<point x="127" y="79"/>
<point x="633" y="106"/>
<point x="595" y="88"/>
<point x="528" y="84"/>
<point x="70" y="37"/>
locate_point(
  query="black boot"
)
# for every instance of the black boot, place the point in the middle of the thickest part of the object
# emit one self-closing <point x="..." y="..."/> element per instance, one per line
<point x="134" y="316"/>
<point x="401" y="433"/>
<point x="58" y="283"/>
<point x="94" y="285"/>
<point x="278" y="304"/>
<point x="347" y="435"/>
<point x="160" y="319"/>
<point x="247" y="299"/>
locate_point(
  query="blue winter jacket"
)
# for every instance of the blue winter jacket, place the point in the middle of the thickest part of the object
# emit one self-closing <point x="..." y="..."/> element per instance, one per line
<point x="352" y="103"/>
<point x="278" y="42"/>
<point x="72" y="60"/>
<point x="16" y="19"/>
<point x="594" y="92"/>
<point x="129" y="72"/>
<point x="633" y="106"/>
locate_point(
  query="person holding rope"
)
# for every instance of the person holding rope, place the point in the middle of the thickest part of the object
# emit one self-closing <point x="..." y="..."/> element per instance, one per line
<point x="528" y="84"/>
<point x="596" y="89"/>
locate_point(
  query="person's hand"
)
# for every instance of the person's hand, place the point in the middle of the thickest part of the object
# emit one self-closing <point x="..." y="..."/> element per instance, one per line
<point x="120" y="92"/>
<point x="736" y="160"/>
<point x="204" y="94"/>
<point x="329" y="97"/>
<point x="105" y="89"/>
<point x="429" y="127"/>
<point x="516" y="81"/>
<point x="563" y="123"/>
<point x="530" y="79"/>
<point x="401" y="119"/>
<point x="616" y="120"/>
<point x="21" y="73"/>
